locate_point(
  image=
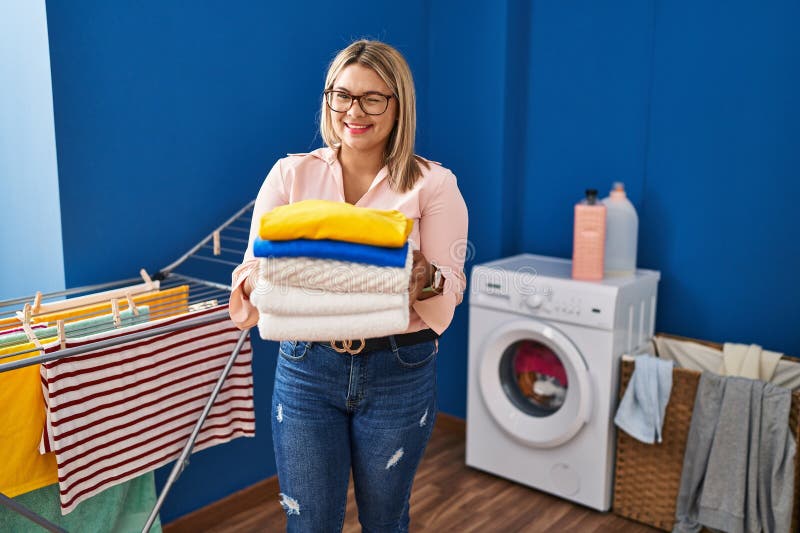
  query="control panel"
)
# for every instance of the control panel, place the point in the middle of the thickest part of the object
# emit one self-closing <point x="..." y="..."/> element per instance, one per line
<point x="547" y="298"/>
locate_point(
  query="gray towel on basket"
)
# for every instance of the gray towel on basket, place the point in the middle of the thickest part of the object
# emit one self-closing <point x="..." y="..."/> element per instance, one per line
<point x="738" y="468"/>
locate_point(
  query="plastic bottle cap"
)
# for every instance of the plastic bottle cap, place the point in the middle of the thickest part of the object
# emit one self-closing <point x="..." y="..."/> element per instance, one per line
<point x="618" y="191"/>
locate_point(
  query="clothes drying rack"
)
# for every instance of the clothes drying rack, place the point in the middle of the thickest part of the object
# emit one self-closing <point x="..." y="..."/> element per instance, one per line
<point x="222" y="249"/>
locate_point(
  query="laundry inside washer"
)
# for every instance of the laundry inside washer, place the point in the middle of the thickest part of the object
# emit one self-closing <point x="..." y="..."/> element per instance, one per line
<point x="534" y="377"/>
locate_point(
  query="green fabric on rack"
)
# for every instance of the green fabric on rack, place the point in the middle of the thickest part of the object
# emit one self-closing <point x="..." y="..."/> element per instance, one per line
<point x="120" y="509"/>
<point x="81" y="328"/>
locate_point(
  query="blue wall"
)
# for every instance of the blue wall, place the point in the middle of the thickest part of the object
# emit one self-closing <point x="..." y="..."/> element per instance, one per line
<point x="721" y="180"/>
<point x="168" y="117"/>
<point x="30" y="219"/>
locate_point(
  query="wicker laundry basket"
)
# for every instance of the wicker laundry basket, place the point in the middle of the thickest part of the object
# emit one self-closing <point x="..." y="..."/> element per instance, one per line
<point x="648" y="476"/>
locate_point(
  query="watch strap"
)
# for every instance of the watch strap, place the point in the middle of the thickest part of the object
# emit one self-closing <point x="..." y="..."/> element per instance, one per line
<point x="436" y="284"/>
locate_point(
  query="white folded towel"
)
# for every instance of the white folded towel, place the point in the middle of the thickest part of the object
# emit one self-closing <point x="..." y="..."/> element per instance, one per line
<point x="336" y="276"/>
<point x="294" y="301"/>
<point x="333" y="327"/>
<point x="749" y="361"/>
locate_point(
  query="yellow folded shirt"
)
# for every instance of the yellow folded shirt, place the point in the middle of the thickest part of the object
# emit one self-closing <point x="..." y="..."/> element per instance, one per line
<point x="339" y="221"/>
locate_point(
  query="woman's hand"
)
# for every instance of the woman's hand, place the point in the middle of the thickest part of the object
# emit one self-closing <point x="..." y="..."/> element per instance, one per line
<point x="421" y="272"/>
<point x="250" y="282"/>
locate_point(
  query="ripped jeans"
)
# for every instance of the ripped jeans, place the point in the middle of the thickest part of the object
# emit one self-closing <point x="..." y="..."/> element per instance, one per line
<point x="333" y="412"/>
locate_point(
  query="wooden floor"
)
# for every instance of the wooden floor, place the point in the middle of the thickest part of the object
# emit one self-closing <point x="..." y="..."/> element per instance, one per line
<point x="447" y="496"/>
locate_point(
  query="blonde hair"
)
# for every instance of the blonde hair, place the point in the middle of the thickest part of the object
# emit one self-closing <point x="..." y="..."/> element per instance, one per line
<point x="391" y="66"/>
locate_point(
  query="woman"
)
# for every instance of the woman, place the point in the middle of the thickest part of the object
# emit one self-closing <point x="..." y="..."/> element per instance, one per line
<point x="372" y="411"/>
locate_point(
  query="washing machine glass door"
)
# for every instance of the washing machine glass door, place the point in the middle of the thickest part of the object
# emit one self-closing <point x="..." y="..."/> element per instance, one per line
<point x="535" y="383"/>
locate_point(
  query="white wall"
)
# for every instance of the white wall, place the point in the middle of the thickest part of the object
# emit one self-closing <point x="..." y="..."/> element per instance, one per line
<point x="31" y="252"/>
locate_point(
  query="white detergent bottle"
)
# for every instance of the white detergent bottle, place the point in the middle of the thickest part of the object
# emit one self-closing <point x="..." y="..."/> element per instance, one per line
<point x="622" y="229"/>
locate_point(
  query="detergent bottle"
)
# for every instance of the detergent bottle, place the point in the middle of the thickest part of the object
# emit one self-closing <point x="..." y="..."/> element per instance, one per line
<point x="622" y="228"/>
<point x="589" y="238"/>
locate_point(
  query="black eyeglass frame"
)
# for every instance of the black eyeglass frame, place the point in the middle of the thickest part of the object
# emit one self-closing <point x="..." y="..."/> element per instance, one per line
<point x="354" y="97"/>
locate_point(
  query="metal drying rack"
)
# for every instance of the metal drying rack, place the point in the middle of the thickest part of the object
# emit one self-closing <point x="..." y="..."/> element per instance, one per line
<point x="213" y="256"/>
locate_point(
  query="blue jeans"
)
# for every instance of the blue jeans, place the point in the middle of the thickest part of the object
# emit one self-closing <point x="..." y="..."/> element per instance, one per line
<point x="333" y="412"/>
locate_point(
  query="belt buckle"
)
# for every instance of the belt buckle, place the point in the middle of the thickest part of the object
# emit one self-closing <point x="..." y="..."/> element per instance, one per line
<point x="347" y="346"/>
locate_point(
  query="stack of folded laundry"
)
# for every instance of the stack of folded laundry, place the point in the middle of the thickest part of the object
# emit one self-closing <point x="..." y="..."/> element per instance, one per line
<point x="331" y="270"/>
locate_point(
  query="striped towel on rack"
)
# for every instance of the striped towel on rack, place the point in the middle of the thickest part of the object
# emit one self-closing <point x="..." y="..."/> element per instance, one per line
<point x="116" y="413"/>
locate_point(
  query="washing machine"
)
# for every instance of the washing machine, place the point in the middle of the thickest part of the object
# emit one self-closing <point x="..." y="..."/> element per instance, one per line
<point x="544" y="354"/>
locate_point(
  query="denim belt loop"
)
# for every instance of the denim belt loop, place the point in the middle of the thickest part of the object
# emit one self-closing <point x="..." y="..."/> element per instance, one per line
<point x="393" y="343"/>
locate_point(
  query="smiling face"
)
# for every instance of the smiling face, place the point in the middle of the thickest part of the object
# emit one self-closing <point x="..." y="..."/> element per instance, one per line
<point x="357" y="130"/>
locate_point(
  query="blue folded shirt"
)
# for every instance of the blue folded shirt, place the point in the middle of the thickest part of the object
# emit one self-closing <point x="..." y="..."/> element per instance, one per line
<point x="330" y="249"/>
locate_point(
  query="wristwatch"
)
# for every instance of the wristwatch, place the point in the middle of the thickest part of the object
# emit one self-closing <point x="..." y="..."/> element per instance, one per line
<point x="436" y="285"/>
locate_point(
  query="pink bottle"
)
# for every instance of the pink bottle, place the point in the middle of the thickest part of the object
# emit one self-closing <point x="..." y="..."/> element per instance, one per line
<point x="589" y="239"/>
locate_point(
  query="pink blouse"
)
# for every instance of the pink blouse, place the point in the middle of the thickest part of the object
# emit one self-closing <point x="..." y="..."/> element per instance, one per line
<point x="435" y="204"/>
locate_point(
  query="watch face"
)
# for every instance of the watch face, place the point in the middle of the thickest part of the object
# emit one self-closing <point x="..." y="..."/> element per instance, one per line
<point x="437" y="279"/>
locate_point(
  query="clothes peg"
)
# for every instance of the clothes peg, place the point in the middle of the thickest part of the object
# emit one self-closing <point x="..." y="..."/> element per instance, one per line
<point x="37" y="302"/>
<point x="26" y="326"/>
<point x="147" y="279"/>
<point x="131" y="304"/>
<point x="115" y="311"/>
<point x="217" y="245"/>
<point x="62" y="337"/>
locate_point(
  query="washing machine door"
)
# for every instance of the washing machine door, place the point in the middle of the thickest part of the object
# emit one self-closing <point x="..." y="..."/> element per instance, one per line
<point x="535" y="383"/>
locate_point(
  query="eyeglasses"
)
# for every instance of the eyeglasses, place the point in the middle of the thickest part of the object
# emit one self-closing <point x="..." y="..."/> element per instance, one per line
<point x="372" y="103"/>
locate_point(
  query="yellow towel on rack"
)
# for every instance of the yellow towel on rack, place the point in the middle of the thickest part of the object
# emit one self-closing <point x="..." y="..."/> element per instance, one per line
<point x="162" y="304"/>
<point x="22" y="416"/>
<point x="165" y="303"/>
<point x="8" y="323"/>
<point x="340" y="221"/>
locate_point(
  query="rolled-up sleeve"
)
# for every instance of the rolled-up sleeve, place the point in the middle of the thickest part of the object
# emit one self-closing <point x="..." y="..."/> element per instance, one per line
<point x="271" y="195"/>
<point x="443" y="227"/>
